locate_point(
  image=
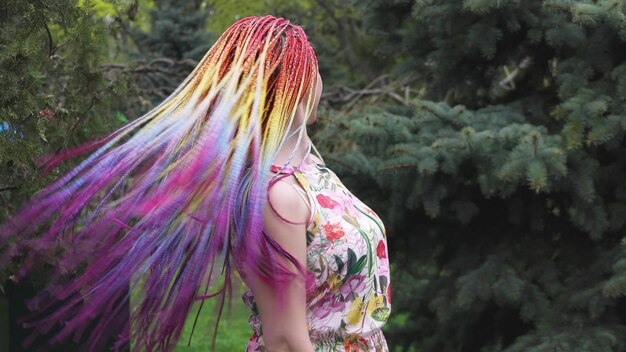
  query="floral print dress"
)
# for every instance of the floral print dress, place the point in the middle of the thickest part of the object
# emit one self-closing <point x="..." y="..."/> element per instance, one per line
<point x="348" y="288"/>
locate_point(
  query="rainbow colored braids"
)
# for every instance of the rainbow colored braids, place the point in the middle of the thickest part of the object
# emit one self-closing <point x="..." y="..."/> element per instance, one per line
<point x="163" y="208"/>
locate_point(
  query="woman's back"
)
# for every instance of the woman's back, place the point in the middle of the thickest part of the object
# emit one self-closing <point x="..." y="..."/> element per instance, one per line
<point x="348" y="289"/>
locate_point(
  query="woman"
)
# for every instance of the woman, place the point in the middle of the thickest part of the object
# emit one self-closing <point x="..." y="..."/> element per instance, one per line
<point x="220" y="173"/>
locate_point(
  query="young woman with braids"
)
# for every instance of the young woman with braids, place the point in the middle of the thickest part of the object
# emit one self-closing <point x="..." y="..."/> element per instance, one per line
<point x="219" y="176"/>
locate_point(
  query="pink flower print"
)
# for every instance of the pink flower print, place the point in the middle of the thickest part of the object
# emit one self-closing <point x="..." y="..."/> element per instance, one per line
<point x="380" y="250"/>
<point x="382" y="268"/>
<point x="347" y="202"/>
<point x="347" y="205"/>
<point x="326" y="201"/>
<point x="371" y="212"/>
<point x="328" y="304"/>
<point x="339" y="205"/>
<point x="382" y="264"/>
<point x="333" y="231"/>
<point x="355" y="283"/>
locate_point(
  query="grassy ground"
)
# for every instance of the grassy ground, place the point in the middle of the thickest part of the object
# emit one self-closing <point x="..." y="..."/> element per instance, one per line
<point x="234" y="330"/>
<point x="233" y="333"/>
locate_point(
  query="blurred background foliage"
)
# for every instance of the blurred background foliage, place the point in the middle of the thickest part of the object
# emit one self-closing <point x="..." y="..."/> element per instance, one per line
<point x="488" y="134"/>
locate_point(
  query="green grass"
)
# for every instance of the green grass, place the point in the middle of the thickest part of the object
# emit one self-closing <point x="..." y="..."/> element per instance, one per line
<point x="233" y="333"/>
<point x="234" y="330"/>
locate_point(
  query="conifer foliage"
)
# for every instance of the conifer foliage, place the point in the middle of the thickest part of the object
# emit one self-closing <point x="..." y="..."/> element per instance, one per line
<point x="54" y="95"/>
<point x="176" y="40"/>
<point x="54" y="92"/>
<point x="177" y="30"/>
<point x="503" y="181"/>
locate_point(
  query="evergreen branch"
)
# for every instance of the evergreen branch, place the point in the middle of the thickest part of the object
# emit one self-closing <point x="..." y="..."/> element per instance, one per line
<point x="397" y="97"/>
<point x="6" y="208"/>
<point x="385" y="89"/>
<point x="349" y="97"/>
<point x="334" y="121"/>
<point x="355" y="93"/>
<point x="511" y="77"/>
<point x="52" y="49"/>
<point x="50" y="40"/>
<point x="158" y="92"/>
<point x="345" y="38"/>
<point x="7" y="188"/>
<point x="340" y="162"/>
<point x="507" y="84"/>
<point x="6" y="205"/>
<point x="399" y="166"/>
<point x="556" y="6"/>
<point x="74" y="125"/>
<point x="144" y="67"/>
<point x="82" y="116"/>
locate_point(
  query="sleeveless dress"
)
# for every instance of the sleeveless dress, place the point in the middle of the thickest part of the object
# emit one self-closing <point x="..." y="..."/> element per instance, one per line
<point x="348" y="290"/>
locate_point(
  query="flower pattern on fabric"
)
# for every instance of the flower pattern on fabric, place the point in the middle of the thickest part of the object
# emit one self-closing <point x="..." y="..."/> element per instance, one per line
<point x="348" y="288"/>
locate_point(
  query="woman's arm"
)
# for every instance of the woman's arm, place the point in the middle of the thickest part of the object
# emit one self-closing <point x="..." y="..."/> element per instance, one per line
<point x="286" y="329"/>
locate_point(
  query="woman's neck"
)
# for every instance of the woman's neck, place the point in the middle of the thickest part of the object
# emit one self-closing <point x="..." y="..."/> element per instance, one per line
<point x="287" y="148"/>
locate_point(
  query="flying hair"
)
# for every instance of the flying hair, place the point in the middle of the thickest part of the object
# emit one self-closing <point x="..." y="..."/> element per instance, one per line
<point x="165" y="205"/>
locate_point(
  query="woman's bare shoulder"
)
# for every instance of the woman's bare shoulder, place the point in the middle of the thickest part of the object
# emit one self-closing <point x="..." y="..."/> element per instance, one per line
<point x="286" y="201"/>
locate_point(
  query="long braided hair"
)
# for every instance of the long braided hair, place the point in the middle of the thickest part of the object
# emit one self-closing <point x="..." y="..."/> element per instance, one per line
<point x="163" y="203"/>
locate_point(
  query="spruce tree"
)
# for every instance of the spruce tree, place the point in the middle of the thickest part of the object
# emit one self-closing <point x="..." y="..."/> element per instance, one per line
<point x="169" y="50"/>
<point x="502" y="182"/>
<point x="177" y="30"/>
<point x="55" y="95"/>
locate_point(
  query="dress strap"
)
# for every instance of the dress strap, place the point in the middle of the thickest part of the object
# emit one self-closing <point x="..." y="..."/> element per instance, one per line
<point x="289" y="169"/>
<point x="307" y="189"/>
<point x="285" y="171"/>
